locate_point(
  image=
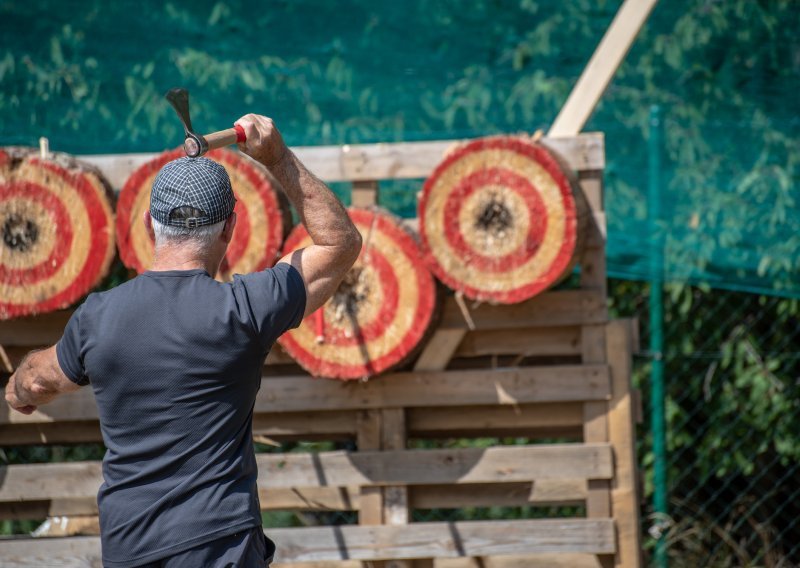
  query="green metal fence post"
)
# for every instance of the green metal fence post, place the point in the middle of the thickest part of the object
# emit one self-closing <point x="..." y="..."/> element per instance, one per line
<point x="657" y="422"/>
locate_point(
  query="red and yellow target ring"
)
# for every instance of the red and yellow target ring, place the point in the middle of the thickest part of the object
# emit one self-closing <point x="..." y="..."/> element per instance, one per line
<point x="57" y="239"/>
<point x="261" y="215"/>
<point x="393" y="296"/>
<point x="499" y="220"/>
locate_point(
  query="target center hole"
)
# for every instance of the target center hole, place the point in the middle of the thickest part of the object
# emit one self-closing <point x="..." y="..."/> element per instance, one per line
<point x="19" y="233"/>
<point x="494" y="217"/>
<point x="350" y="294"/>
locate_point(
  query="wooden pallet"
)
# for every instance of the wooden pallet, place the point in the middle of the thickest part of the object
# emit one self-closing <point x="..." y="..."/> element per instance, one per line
<point x="552" y="367"/>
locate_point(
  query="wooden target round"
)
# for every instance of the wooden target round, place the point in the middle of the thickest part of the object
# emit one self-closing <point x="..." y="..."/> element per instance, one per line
<point x="381" y="311"/>
<point x="261" y="216"/>
<point x="500" y="220"/>
<point x="56" y="224"/>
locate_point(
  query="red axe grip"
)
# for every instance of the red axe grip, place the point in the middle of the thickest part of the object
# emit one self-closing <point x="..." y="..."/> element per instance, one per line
<point x="240" y="135"/>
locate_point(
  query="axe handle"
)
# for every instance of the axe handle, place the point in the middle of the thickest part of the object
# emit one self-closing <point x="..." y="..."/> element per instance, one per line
<point x="225" y="137"/>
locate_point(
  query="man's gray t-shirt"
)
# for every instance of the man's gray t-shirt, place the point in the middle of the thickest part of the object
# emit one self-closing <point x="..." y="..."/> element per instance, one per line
<point x="174" y="359"/>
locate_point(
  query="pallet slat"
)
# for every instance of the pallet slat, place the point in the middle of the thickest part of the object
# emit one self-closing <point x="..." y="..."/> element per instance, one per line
<point x="551" y="309"/>
<point x="363" y="162"/>
<point x="321" y="544"/>
<point x="543" y="492"/>
<point x="506" y="464"/>
<point x="537" y="420"/>
<point x="512" y="386"/>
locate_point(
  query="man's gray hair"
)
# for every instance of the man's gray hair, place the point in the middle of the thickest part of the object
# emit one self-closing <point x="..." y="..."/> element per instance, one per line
<point x="201" y="238"/>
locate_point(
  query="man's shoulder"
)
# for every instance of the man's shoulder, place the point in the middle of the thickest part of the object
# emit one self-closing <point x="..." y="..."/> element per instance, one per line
<point x="102" y="298"/>
<point x="282" y="279"/>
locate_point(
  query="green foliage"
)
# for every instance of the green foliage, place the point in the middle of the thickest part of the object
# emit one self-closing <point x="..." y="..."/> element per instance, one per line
<point x="733" y="414"/>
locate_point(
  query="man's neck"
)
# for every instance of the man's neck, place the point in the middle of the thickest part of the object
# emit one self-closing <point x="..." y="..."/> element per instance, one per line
<point x="178" y="258"/>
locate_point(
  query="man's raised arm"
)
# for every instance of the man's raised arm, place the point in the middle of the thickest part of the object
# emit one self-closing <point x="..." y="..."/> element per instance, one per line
<point x="337" y="242"/>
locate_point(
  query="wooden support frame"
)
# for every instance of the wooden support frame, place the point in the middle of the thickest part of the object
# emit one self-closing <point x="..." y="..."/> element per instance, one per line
<point x="550" y="367"/>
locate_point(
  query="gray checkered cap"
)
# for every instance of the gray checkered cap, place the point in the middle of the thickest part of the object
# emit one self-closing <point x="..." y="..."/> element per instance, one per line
<point x="195" y="182"/>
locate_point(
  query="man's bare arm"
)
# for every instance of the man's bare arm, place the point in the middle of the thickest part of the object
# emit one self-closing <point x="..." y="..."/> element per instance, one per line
<point x="37" y="380"/>
<point x="337" y="242"/>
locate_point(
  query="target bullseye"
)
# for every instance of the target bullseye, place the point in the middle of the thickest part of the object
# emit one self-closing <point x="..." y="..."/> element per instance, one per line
<point x="380" y="313"/>
<point x="262" y="216"/>
<point x="500" y="220"/>
<point x="56" y="224"/>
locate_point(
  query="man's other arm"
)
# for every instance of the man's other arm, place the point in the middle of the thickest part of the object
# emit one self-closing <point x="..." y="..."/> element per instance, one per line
<point x="37" y="380"/>
<point x="337" y="243"/>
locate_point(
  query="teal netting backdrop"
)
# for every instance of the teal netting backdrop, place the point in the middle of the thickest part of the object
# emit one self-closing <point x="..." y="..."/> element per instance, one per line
<point x="91" y="75"/>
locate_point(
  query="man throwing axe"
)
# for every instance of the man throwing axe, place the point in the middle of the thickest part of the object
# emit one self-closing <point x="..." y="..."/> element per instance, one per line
<point x="174" y="358"/>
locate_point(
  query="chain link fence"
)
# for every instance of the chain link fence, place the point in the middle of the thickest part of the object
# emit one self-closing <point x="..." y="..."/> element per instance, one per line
<point x="732" y="423"/>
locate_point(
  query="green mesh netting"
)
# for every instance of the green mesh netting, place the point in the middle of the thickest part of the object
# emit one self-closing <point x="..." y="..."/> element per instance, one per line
<point x="90" y="75"/>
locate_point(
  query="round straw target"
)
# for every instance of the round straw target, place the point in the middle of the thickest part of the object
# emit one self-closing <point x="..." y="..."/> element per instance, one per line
<point x="260" y="211"/>
<point x="500" y="220"/>
<point x="379" y="314"/>
<point x="56" y="225"/>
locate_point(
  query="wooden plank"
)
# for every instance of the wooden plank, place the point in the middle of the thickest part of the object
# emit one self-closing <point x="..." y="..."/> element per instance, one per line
<point x="395" y="497"/>
<point x="364" y="193"/>
<point x="514" y="386"/>
<point x="62" y="432"/>
<point x="507" y="464"/>
<point x="424" y="467"/>
<point x="595" y="430"/>
<point x="542" y="492"/>
<point x="369" y="438"/>
<point x="601" y="67"/>
<point x="595" y="424"/>
<point x="565" y="416"/>
<point x="524" y="561"/>
<point x="532" y="420"/>
<point x="403" y="160"/>
<point x="527" y="561"/>
<point x="328" y="425"/>
<point x="287" y="426"/>
<point x="591" y="183"/>
<point x="551" y="309"/>
<point x="440" y="349"/>
<point x="38" y="510"/>
<point x="510" y="386"/>
<point x="271" y="499"/>
<point x="348" y="542"/>
<point x="38" y="331"/>
<point x="549" y="341"/>
<point x="622" y="434"/>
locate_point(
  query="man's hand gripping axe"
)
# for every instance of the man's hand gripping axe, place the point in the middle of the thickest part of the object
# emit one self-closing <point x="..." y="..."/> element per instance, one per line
<point x="196" y="144"/>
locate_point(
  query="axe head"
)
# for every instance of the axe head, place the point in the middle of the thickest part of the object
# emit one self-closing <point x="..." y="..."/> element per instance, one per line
<point x="179" y="99"/>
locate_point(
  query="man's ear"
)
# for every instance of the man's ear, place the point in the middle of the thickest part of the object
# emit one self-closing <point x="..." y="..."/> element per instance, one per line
<point x="227" y="229"/>
<point x="148" y="224"/>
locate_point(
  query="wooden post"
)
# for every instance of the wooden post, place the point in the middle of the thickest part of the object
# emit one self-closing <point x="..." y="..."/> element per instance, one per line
<point x="622" y="435"/>
<point x="383" y="429"/>
<point x="368" y="437"/>
<point x="593" y="343"/>
<point x="365" y="193"/>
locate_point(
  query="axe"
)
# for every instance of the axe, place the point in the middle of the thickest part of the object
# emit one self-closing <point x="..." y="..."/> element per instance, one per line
<point x="196" y="144"/>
